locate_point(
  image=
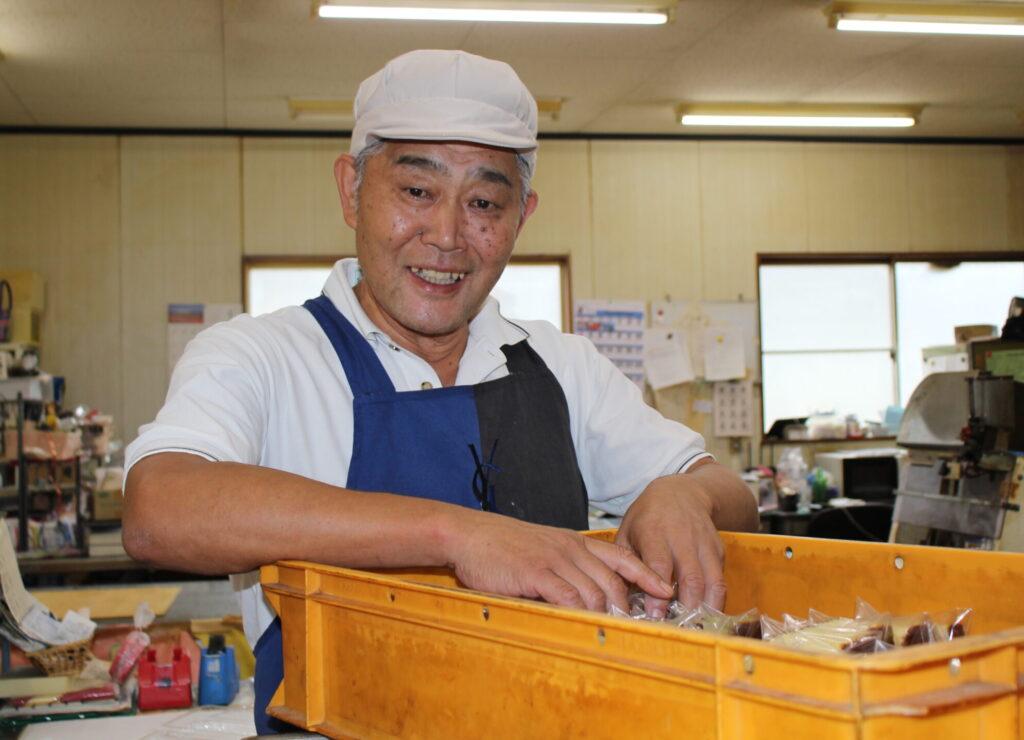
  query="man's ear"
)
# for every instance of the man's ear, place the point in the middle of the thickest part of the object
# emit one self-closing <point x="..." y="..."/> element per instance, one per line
<point x="531" y="205"/>
<point x="345" y="176"/>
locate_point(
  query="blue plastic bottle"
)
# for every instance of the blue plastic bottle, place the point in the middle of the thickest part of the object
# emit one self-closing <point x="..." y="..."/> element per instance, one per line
<point x="218" y="673"/>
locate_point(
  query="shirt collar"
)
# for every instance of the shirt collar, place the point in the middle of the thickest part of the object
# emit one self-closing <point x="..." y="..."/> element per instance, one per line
<point x="488" y="330"/>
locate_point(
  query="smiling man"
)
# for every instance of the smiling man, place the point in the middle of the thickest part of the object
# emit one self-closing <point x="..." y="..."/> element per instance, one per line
<point x="400" y="420"/>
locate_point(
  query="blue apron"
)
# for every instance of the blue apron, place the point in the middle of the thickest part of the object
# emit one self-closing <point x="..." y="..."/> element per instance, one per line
<point x="503" y="445"/>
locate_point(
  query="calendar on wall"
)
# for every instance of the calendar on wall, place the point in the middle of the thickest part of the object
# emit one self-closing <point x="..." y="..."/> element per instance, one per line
<point x="617" y="330"/>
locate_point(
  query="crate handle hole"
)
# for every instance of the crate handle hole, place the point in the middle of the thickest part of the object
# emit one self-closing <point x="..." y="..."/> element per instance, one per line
<point x="898" y="562"/>
<point x="600" y="635"/>
<point x="391" y="596"/>
<point x="485" y="613"/>
<point x="788" y="553"/>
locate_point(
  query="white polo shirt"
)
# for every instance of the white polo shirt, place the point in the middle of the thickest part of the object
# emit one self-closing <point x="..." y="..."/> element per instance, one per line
<point x="270" y="391"/>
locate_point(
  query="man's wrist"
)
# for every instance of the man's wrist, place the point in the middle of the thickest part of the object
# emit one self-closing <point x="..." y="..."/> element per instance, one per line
<point x="690" y="485"/>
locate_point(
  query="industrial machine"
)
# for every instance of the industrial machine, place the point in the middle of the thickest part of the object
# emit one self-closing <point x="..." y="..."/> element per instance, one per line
<point x="964" y="481"/>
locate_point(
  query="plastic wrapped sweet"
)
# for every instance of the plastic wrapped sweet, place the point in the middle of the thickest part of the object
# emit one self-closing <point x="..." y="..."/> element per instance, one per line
<point x="823" y="634"/>
<point x="704" y="617"/>
<point x="919" y="628"/>
<point x="868" y="631"/>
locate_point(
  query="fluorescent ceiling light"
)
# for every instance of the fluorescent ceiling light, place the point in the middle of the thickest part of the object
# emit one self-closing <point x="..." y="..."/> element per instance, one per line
<point x="973" y="19"/>
<point x="622" y="12"/>
<point x="801" y="115"/>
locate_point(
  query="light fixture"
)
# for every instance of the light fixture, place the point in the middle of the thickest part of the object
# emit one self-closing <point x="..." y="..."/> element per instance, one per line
<point x="549" y="108"/>
<point x="808" y="115"/>
<point x="320" y="108"/>
<point x="984" y="19"/>
<point x="628" y="12"/>
<point x="342" y="108"/>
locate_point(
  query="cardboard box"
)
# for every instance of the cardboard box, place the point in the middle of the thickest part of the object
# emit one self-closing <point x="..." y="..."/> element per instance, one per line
<point x="108" y="498"/>
<point x="26" y="325"/>
<point x="964" y="334"/>
<point x="41" y="444"/>
<point x="107" y="505"/>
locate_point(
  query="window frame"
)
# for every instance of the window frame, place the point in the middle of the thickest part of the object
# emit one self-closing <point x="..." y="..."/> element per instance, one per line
<point x="890" y="259"/>
<point x="262" y="261"/>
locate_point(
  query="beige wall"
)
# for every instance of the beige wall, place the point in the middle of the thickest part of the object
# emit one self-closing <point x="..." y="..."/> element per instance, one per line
<point x="122" y="226"/>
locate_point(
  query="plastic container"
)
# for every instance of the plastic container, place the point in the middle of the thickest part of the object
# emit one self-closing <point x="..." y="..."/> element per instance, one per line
<point x="218" y="672"/>
<point x="410" y="654"/>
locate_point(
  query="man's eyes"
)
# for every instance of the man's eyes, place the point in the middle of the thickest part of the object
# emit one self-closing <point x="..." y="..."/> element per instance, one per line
<point x="480" y="204"/>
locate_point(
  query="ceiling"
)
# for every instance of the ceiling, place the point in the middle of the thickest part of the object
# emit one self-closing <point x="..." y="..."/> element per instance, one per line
<point x="233" y="64"/>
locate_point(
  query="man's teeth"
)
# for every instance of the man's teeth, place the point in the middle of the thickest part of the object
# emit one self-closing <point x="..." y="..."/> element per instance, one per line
<point x="438" y="278"/>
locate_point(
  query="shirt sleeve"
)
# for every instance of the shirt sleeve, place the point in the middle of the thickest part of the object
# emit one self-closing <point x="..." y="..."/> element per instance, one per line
<point x="622" y="444"/>
<point x="215" y="405"/>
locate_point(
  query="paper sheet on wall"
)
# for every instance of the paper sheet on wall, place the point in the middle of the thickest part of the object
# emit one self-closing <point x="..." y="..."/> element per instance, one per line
<point x="723" y="353"/>
<point x="667" y="358"/>
<point x="693" y="316"/>
<point x="185" y="320"/>
<point x="617" y="330"/>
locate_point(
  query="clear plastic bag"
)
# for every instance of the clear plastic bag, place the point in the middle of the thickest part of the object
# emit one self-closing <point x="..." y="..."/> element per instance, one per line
<point x="134" y="644"/>
<point x="822" y="633"/>
<point x="949" y="624"/>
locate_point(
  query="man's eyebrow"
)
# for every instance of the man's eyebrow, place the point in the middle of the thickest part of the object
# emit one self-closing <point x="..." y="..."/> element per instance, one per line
<point x="426" y="163"/>
<point x="491" y="175"/>
<point x="488" y="174"/>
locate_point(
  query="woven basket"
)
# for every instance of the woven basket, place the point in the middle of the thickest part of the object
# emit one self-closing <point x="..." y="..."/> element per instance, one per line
<point x="62" y="660"/>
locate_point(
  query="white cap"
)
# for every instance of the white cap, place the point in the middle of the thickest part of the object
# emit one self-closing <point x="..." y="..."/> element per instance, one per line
<point x="446" y="96"/>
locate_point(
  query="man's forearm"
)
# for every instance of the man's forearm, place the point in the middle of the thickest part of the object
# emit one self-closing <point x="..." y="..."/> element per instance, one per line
<point x="185" y="513"/>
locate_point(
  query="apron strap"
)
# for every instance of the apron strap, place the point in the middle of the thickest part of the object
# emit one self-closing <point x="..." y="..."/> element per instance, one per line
<point x="269" y="654"/>
<point x="366" y="376"/>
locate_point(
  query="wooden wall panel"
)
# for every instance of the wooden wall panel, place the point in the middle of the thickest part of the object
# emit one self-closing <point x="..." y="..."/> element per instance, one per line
<point x="646" y="215"/>
<point x="290" y="200"/>
<point x="958" y="198"/>
<point x="857" y="197"/>
<point x="1015" y="196"/>
<point x="181" y="243"/>
<point x="59" y="217"/>
<point x="753" y="199"/>
<point x="121" y="227"/>
<point x="561" y="223"/>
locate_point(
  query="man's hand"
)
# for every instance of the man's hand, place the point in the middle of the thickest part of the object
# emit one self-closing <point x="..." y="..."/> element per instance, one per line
<point x="507" y="556"/>
<point x="673" y="527"/>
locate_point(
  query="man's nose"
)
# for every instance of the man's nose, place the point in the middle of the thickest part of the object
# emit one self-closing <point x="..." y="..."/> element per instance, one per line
<point x="443" y="226"/>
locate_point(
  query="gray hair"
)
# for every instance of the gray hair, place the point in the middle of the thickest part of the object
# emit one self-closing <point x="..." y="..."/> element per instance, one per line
<point x="375" y="146"/>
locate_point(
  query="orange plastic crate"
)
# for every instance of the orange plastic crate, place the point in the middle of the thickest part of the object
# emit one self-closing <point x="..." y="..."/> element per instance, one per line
<point x="411" y="654"/>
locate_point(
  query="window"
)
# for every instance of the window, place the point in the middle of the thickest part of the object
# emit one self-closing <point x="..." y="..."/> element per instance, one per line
<point x="530" y="287"/>
<point x="844" y="334"/>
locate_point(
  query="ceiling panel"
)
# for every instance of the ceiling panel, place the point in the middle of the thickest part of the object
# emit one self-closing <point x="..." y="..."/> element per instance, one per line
<point x="234" y="63"/>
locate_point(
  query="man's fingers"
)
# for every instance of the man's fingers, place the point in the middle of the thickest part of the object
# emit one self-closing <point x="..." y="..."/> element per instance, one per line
<point x="554" y="589"/>
<point x="714" y="594"/>
<point x="613" y="589"/>
<point x="701" y="579"/>
<point x="633" y="569"/>
<point x="652" y="575"/>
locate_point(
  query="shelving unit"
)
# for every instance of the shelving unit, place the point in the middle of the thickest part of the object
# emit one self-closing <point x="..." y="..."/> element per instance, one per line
<point x="30" y="499"/>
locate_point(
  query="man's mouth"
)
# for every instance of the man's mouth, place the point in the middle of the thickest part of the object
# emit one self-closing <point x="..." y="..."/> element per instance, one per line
<point x="436" y="277"/>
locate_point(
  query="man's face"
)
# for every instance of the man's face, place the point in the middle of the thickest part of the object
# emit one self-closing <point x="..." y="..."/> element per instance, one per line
<point x="435" y="225"/>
